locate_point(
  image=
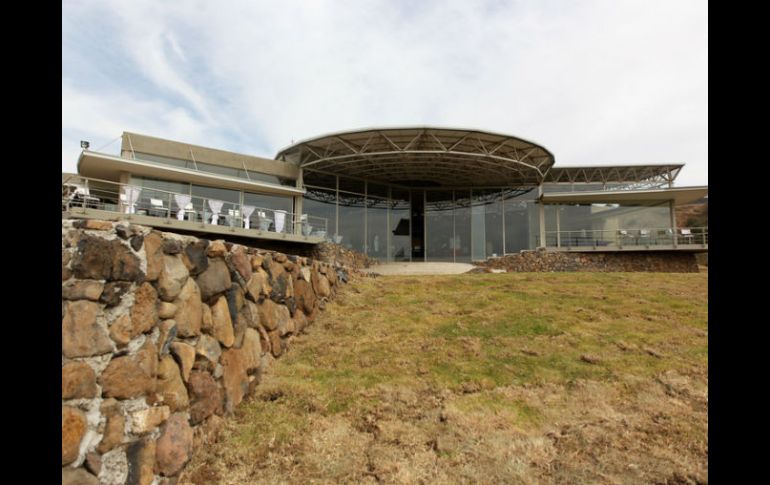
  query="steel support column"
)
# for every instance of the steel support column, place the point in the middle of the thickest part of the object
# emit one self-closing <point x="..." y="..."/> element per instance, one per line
<point x="673" y="222"/>
<point x="542" y="215"/>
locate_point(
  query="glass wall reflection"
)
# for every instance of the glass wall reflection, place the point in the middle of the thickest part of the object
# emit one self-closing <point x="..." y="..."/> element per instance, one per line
<point x="487" y="223"/>
<point x="462" y="224"/>
<point x="521" y="219"/>
<point x="351" y="221"/>
<point x="440" y="242"/>
<point x="400" y="248"/>
<point x="377" y="227"/>
<point x="320" y="203"/>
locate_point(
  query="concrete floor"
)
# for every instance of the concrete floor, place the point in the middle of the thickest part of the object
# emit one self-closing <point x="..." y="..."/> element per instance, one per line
<point x="421" y="268"/>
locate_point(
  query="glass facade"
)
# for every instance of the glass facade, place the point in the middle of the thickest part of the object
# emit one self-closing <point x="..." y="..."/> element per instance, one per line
<point x="487" y="223"/>
<point x="400" y="242"/>
<point x="377" y="227"/>
<point x="352" y="212"/>
<point x="440" y="241"/>
<point x="606" y="224"/>
<point x="320" y="204"/>
<point x="157" y="196"/>
<point x="521" y="219"/>
<point x="395" y="223"/>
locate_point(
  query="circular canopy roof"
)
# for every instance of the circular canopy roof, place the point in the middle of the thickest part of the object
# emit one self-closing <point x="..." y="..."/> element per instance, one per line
<point x="424" y="156"/>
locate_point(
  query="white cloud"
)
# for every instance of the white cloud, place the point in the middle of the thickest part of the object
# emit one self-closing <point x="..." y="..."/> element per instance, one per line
<point x="596" y="82"/>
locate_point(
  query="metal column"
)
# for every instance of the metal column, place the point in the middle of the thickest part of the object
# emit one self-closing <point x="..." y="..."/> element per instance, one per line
<point x="542" y="215"/>
<point x="673" y="222"/>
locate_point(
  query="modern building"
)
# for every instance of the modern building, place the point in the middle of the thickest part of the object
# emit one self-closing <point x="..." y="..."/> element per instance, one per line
<point x="396" y="194"/>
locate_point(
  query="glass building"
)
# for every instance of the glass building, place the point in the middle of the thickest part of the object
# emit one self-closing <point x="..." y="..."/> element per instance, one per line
<point x="396" y="194"/>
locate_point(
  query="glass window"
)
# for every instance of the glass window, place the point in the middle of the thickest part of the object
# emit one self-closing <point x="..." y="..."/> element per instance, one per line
<point x="164" y="185"/>
<point x="263" y="217"/>
<point x="351" y="185"/>
<point x="351" y="221"/>
<point x="603" y="224"/>
<point x="440" y="242"/>
<point x="487" y="224"/>
<point x="155" y="197"/>
<point x="219" y="170"/>
<point x="462" y="224"/>
<point x="320" y="206"/>
<point x="202" y="194"/>
<point x="377" y="227"/>
<point x="377" y="190"/>
<point x="521" y="219"/>
<point x="311" y="178"/>
<point x="272" y="202"/>
<point x="176" y="162"/>
<point x="399" y="245"/>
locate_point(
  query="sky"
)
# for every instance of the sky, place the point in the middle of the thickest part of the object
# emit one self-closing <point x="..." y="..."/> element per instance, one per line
<point x="597" y="82"/>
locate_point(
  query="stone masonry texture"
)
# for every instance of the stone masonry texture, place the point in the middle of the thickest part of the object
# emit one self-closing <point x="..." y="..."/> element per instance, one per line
<point x="161" y="336"/>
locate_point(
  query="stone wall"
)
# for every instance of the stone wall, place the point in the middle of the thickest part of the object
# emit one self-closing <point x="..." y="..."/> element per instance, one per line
<point x="336" y="254"/>
<point x="667" y="262"/>
<point x="163" y="334"/>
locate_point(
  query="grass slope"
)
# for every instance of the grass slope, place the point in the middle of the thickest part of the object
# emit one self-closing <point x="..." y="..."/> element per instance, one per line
<point x="574" y="378"/>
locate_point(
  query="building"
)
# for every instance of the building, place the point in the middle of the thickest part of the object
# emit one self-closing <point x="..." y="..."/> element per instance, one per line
<point x="396" y="194"/>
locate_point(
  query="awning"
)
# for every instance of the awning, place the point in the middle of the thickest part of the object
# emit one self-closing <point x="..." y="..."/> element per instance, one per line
<point x="680" y="195"/>
<point x="109" y="167"/>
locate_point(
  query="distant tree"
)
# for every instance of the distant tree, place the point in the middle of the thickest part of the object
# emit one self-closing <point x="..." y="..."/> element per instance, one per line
<point x="701" y="219"/>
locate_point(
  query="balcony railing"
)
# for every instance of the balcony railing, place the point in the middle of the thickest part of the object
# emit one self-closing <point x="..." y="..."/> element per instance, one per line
<point x="620" y="238"/>
<point x="88" y="193"/>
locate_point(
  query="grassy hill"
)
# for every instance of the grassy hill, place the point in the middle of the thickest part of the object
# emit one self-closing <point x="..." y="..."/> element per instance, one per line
<point x="693" y="215"/>
<point x="568" y="378"/>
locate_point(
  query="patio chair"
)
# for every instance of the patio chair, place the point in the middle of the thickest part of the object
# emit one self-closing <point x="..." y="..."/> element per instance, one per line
<point x="623" y="237"/>
<point x="264" y="222"/>
<point x="686" y="235"/>
<point x="157" y="208"/>
<point x="190" y="213"/>
<point x="232" y="217"/>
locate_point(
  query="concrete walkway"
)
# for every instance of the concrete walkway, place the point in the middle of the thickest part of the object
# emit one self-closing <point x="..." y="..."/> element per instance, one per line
<point x="420" y="268"/>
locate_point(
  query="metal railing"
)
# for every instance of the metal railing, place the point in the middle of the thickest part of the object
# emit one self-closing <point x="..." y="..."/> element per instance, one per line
<point x="89" y="193"/>
<point x="628" y="237"/>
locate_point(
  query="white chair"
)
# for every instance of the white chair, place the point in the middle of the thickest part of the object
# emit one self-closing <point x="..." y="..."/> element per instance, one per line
<point x="686" y="235"/>
<point x="623" y="236"/>
<point x="307" y="229"/>
<point x="189" y="212"/>
<point x="157" y="208"/>
<point x="264" y="222"/>
<point x="232" y="217"/>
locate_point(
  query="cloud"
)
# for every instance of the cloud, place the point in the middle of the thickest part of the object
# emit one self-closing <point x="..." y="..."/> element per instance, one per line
<point x="596" y="82"/>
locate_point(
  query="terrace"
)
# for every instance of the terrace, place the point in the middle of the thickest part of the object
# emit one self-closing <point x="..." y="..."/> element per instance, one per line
<point x="84" y="197"/>
<point x="693" y="239"/>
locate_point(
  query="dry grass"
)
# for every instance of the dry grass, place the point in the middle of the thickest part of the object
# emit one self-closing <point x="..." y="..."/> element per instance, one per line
<point x="573" y="378"/>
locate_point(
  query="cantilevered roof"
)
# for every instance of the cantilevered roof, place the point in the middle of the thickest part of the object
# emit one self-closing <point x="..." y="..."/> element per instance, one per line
<point x="680" y="195"/>
<point x="424" y="156"/>
<point x="616" y="173"/>
<point x="109" y="167"/>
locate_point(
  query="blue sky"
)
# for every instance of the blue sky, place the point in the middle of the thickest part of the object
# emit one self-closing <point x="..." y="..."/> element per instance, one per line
<point x="596" y="82"/>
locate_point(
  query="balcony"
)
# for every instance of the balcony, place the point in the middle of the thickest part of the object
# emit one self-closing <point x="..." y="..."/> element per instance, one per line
<point x="693" y="239"/>
<point x="101" y="199"/>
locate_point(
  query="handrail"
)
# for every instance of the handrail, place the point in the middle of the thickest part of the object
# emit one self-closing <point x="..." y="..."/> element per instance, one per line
<point x="645" y="236"/>
<point x="116" y="197"/>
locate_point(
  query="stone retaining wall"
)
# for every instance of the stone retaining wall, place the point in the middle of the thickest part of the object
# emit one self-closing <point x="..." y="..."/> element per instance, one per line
<point x="667" y="262"/>
<point x="163" y="334"/>
<point x="336" y="254"/>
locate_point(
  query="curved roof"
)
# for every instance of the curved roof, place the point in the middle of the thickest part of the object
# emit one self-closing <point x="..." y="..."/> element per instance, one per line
<point x="424" y="156"/>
